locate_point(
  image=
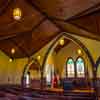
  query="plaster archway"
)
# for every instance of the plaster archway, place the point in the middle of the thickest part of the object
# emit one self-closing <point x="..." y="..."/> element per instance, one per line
<point x="79" y="43"/>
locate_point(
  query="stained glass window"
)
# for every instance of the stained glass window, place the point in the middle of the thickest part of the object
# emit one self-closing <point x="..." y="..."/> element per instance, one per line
<point x="80" y="67"/>
<point x="70" y="68"/>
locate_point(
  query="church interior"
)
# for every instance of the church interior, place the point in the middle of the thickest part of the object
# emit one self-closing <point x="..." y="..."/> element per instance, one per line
<point x="49" y="49"/>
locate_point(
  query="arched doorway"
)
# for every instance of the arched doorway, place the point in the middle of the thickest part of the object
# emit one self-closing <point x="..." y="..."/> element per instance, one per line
<point x="32" y="74"/>
<point x="56" y="57"/>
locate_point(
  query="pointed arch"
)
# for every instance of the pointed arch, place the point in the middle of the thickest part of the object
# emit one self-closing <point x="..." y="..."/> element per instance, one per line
<point x="78" y="42"/>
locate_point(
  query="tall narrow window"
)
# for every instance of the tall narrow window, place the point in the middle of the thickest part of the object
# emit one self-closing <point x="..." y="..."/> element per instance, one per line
<point x="49" y="72"/>
<point x="80" y="67"/>
<point x="70" y="68"/>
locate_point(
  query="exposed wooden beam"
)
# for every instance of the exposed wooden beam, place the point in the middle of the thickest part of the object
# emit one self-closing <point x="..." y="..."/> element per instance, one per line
<point x="87" y="34"/>
<point x="83" y="28"/>
<point x="86" y="12"/>
<point x="52" y="20"/>
<point x="23" y="32"/>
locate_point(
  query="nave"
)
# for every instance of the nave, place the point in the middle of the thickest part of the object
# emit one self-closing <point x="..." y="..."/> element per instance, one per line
<point x="49" y="49"/>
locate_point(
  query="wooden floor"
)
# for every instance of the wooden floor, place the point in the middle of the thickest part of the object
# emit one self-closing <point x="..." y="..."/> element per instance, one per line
<point x="19" y="93"/>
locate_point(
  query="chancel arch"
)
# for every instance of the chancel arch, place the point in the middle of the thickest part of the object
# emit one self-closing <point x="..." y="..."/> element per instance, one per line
<point x="57" y="54"/>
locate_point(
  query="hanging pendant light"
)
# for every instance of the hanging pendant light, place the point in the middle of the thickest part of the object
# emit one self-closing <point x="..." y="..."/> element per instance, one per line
<point x="17" y="13"/>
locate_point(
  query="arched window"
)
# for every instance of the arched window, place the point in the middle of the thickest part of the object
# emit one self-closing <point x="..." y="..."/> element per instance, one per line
<point x="70" y="68"/>
<point x="80" y="67"/>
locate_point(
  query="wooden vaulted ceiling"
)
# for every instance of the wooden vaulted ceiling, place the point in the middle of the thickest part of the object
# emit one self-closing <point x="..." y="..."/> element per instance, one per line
<point x="42" y="20"/>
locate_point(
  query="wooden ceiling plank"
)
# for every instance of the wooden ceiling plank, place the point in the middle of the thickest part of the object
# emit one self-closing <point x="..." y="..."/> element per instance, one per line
<point x="59" y="26"/>
<point x="97" y="24"/>
<point x="14" y="34"/>
<point x="86" y="12"/>
<point x="76" y="6"/>
<point x="38" y="24"/>
<point x="52" y="19"/>
<point x="20" y="48"/>
<point x="43" y="13"/>
<point x="7" y="45"/>
<point x="3" y="7"/>
<point x="46" y="42"/>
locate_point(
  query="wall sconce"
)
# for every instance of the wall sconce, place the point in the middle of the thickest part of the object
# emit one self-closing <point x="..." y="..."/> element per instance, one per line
<point x="61" y="42"/>
<point x="79" y="51"/>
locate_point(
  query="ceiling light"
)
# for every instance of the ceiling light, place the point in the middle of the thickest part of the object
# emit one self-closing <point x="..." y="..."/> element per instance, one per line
<point x="17" y="13"/>
<point x="10" y="60"/>
<point x="38" y="57"/>
<point x="61" y="42"/>
<point x="79" y="51"/>
<point x="12" y="50"/>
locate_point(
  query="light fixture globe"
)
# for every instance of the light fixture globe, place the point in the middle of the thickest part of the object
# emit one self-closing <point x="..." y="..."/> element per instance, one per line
<point x="61" y="42"/>
<point x="79" y="51"/>
<point x="38" y="57"/>
<point x="10" y="59"/>
<point x="13" y="50"/>
<point x="17" y="13"/>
